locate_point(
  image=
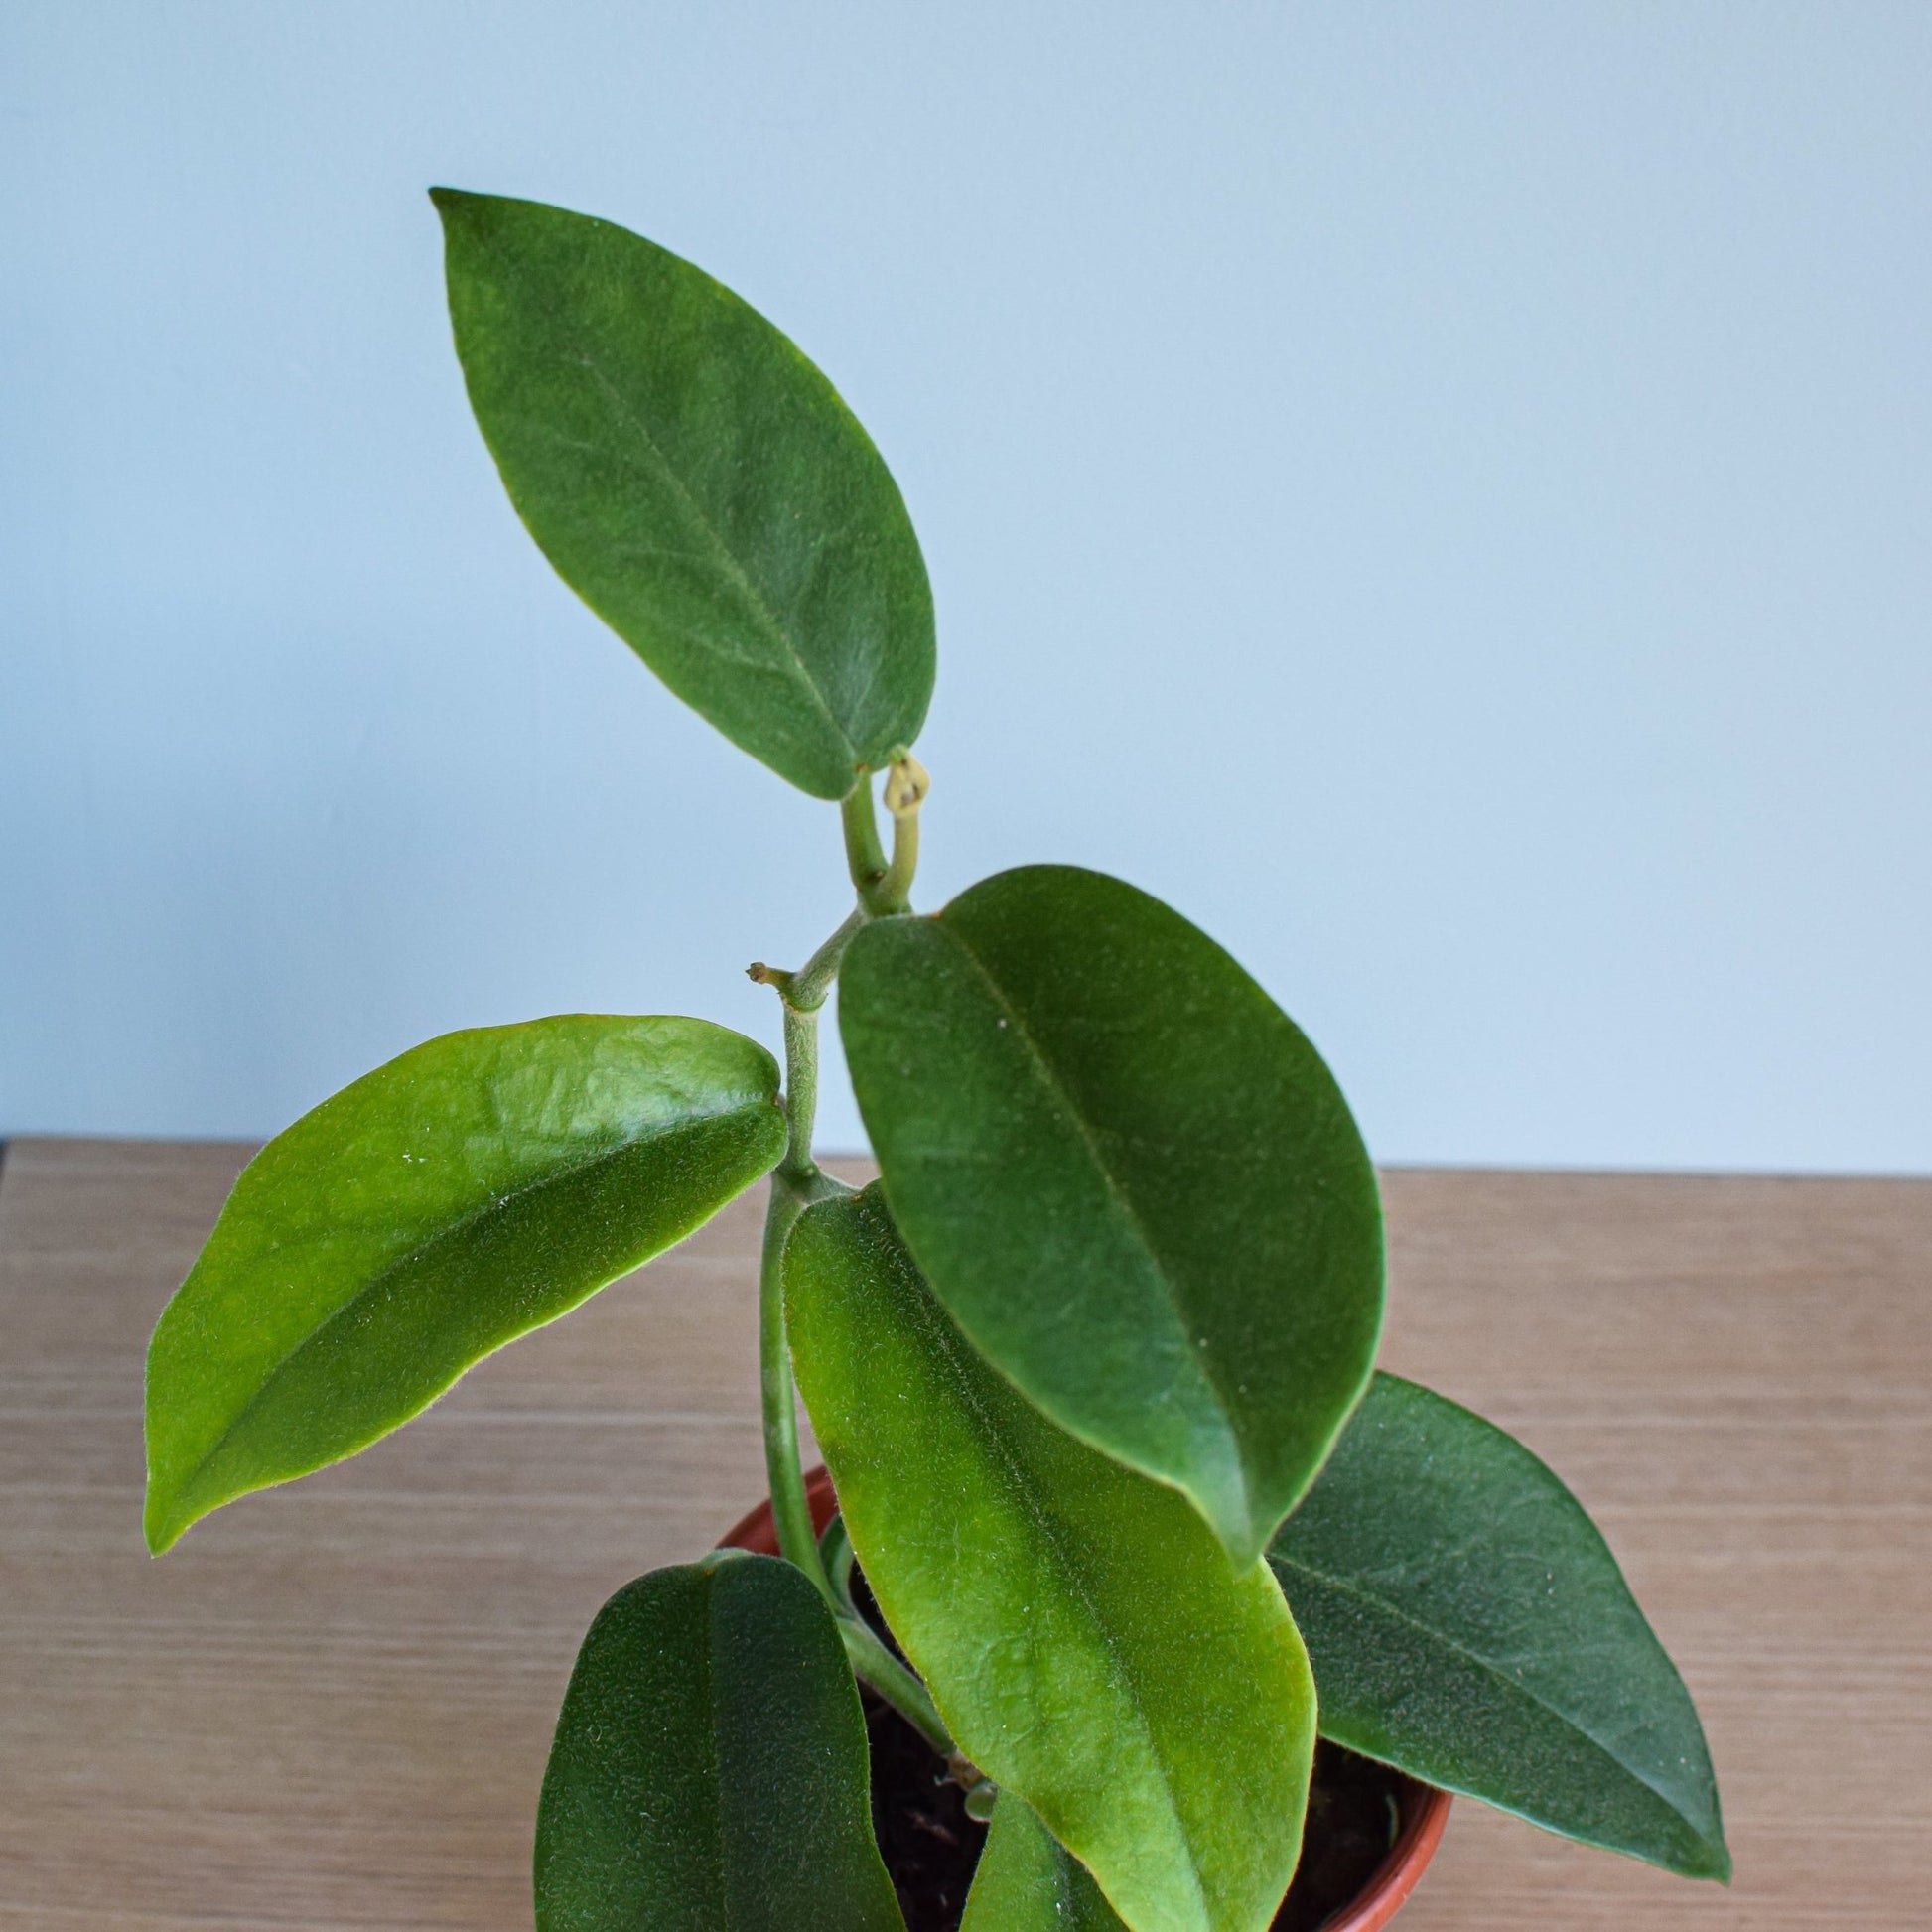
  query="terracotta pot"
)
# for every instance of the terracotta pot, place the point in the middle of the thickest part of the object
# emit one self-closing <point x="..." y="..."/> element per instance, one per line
<point x="1425" y="1809"/>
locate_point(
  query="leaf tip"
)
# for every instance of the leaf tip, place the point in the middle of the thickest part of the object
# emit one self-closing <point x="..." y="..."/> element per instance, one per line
<point x="458" y="207"/>
<point x="1243" y="1542"/>
<point x="161" y="1527"/>
<point x="1224" y="1499"/>
<point x="1716" y="1862"/>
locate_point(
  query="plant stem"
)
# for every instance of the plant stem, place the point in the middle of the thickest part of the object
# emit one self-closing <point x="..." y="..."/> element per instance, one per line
<point x="873" y="1664"/>
<point x="872" y="1660"/>
<point x="792" y="1514"/>
<point x="864" y="856"/>
<point x="796" y="1184"/>
<point x="813" y="980"/>
<point x="799" y="1166"/>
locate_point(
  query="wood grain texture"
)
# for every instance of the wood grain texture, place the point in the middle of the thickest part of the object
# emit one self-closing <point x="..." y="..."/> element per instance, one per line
<point x="330" y="1707"/>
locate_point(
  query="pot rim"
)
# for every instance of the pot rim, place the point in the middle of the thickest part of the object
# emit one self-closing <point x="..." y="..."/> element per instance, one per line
<point x="1425" y="1809"/>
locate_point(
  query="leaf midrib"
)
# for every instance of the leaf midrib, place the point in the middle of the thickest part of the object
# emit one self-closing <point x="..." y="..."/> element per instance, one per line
<point x="1513" y="1686"/>
<point x="714" y="1698"/>
<point x="732" y="567"/>
<point x="497" y="1205"/>
<point x="1136" y="1228"/>
<point x="1049" y="1534"/>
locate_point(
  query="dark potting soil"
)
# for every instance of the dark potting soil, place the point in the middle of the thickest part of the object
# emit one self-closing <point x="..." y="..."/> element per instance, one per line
<point x="918" y="1816"/>
<point x="931" y="1846"/>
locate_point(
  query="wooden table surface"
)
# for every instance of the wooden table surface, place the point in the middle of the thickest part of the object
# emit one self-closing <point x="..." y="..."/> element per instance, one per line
<point x="329" y="1706"/>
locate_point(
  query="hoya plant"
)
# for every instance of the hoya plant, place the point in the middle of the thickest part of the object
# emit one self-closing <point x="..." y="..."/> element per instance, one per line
<point x="1126" y="1519"/>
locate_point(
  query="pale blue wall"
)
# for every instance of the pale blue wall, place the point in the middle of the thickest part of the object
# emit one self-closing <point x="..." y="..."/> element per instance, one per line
<point x="1442" y="492"/>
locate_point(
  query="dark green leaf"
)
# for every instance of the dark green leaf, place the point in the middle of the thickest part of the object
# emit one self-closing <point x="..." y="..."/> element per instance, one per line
<point x="697" y="483"/>
<point x="1469" y="1623"/>
<point x="1129" y="1179"/>
<point x="463" y="1194"/>
<point x="1082" y="1631"/>
<point x="710" y="1772"/>
<point x="1027" y="1881"/>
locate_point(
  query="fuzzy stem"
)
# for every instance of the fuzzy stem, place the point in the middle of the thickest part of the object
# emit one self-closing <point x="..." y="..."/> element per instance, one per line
<point x="792" y="1514"/>
<point x="873" y="1664"/>
<point x="813" y="980"/>
<point x="798" y="1168"/>
<point x="796" y="1184"/>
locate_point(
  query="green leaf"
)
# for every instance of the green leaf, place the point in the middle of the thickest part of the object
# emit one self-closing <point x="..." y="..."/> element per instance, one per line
<point x="710" y="1772"/>
<point x="1468" y="1624"/>
<point x="1129" y="1179"/>
<point x="471" y="1190"/>
<point x="1080" y="1630"/>
<point x="697" y="483"/>
<point x="1027" y="1881"/>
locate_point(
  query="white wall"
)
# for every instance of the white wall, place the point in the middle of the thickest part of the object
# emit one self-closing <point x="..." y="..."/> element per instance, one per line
<point x="1439" y="491"/>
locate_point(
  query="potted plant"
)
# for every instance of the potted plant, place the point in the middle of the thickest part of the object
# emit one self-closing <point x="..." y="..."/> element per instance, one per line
<point x="1125" y="1518"/>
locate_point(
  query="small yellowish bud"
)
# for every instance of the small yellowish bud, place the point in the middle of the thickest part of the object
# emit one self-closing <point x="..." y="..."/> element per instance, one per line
<point x="907" y="784"/>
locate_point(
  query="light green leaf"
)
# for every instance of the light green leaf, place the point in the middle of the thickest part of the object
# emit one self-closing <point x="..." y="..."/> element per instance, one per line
<point x="710" y="1772"/>
<point x="697" y="483"/>
<point x="471" y="1190"/>
<point x="1468" y="1624"/>
<point x="1129" y="1179"/>
<point x="1080" y="1630"/>
<point x="1025" y="1882"/>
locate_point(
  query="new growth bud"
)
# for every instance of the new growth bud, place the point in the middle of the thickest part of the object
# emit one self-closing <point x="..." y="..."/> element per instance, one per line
<point x="907" y="784"/>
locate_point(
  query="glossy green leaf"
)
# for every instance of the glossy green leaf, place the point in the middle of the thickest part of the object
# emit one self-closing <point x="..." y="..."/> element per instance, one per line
<point x="1469" y="1623"/>
<point x="471" y="1190"/>
<point x="1080" y="1630"/>
<point x="1027" y="1880"/>
<point x="697" y="481"/>
<point x="1128" y="1176"/>
<point x="710" y="1772"/>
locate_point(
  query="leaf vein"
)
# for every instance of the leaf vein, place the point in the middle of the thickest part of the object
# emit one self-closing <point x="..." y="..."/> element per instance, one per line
<point x="1511" y="1685"/>
<point x="1123" y="1207"/>
<point x="496" y="1206"/>
<point x="721" y="551"/>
